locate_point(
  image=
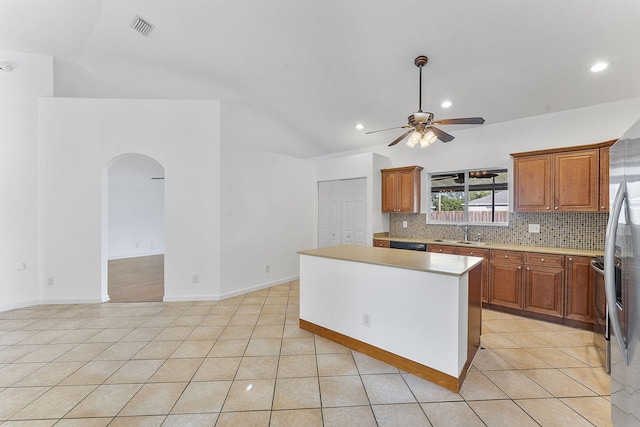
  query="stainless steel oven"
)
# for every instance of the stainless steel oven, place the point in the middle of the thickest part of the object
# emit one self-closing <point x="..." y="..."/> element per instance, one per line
<point x="601" y="315"/>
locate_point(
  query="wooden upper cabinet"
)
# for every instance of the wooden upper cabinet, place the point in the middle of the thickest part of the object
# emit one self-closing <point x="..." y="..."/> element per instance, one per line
<point x="604" y="179"/>
<point x="572" y="179"/>
<point x="533" y="183"/>
<point x="401" y="189"/>
<point x="577" y="181"/>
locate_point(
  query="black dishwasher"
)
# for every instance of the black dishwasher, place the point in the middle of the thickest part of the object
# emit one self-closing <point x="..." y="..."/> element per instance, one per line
<point x="409" y="246"/>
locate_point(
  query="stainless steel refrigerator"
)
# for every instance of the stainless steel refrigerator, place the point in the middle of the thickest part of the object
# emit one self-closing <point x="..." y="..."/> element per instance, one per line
<point x="622" y="270"/>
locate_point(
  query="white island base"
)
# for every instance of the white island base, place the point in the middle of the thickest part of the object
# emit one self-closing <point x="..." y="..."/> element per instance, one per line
<point x="420" y="312"/>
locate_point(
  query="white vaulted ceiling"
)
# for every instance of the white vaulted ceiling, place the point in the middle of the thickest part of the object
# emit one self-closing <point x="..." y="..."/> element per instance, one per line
<point x="318" y="67"/>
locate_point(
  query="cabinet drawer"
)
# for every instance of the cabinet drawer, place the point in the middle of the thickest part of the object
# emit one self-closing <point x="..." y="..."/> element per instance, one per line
<point x="548" y="260"/>
<point x="381" y="243"/>
<point x="507" y="256"/>
<point x="482" y="253"/>
<point x="442" y="249"/>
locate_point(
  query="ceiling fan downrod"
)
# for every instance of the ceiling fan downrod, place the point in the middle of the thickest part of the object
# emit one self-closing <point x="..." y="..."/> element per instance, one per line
<point x="420" y="62"/>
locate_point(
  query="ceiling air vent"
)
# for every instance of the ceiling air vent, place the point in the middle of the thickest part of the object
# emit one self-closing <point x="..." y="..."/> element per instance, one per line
<point x="142" y="26"/>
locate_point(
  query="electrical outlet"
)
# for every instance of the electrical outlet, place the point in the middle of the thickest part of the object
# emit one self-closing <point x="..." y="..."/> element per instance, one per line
<point x="404" y="224"/>
<point x="50" y="281"/>
<point x="366" y="319"/>
<point x="534" y="228"/>
<point x="267" y="268"/>
<point x="196" y="278"/>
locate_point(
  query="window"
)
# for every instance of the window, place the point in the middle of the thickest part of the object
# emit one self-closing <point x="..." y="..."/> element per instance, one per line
<point x="473" y="196"/>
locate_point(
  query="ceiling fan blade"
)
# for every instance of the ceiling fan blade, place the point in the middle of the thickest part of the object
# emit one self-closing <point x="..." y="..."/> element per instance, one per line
<point x="463" y="121"/>
<point x="442" y="136"/>
<point x="401" y="137"/>
<point x="382" y="130"/>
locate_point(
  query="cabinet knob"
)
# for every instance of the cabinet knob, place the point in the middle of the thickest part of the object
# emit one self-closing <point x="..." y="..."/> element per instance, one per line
<point x="519" y="267"/>
<point x="541" y="259"/>
<point x="570" y="259"/>
<point x="471" y="253"/>
<point x="601" y="207"/>
<point x="556" y="208"/>
<point x="528" y="269"/>
<point x="506" y="256"/>
<point x="547" y="208"/>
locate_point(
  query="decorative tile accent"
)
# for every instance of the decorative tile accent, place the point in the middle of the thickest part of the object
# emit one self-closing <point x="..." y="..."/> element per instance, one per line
<point x="572" y="230"/>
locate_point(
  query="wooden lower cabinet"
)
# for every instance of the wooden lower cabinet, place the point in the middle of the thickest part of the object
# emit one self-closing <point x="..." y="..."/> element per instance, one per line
<point x="381" y="243"/>
<point x="551" y="287"/>
<point x="505" y="283"/>
<point x="544" y="284"/>
<point x="580" y="297"/>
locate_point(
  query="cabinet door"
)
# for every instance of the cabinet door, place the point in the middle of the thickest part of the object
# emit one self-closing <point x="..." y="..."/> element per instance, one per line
<point x="604" y="179"/>
<point x="483" y="253"/>
<point x="577" y="181"/>
<point x="505" y="285"/>
<point x="580" y="291"/>
<point x="543" y="290"/>
<point x="533" y="183"/>
<point x="389" y="191"/>
<point x="442" y="249"/>
<point x="409" y="191"/>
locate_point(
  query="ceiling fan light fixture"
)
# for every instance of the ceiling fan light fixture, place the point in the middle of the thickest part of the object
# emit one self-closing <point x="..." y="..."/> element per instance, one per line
<point x="446" y="104"/>
<point x="414" y="138"/>
<point x="427" y="139"/>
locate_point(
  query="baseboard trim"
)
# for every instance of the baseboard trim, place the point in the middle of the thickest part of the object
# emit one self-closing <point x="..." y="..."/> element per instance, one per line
<point x="407" y="365"/>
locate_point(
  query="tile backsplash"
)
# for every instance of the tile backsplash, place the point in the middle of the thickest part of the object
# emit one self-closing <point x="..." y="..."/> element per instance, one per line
<point x="574" y="230"/>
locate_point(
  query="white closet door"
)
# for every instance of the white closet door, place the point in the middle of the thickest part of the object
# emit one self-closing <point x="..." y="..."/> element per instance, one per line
<point x="342" y="216"/>
<point x="329" y="221"/>
<point x="360" y="211"/>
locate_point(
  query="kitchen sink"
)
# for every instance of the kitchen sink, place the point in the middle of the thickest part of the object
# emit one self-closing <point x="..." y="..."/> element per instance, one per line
<point x="447" y="241"/>
<point x="474" y="243"/>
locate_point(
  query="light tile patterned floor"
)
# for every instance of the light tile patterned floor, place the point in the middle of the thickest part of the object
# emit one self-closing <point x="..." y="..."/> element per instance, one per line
<point x="244" y="362"/>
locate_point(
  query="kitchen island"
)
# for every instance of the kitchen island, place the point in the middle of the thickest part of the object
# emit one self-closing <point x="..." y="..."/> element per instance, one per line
<point x="418" y="311"/>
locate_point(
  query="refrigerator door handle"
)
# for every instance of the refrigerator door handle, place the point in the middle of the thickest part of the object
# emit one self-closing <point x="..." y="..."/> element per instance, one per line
<point x="610" y="268"/>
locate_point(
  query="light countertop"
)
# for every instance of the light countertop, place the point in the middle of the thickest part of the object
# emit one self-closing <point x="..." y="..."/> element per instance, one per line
<point x="453" y="265"/>
<point x="499" y="246"/>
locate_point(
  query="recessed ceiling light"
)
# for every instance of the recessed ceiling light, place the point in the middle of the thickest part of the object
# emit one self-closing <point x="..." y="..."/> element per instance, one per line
<point x="446" y="104"/>
<point x="598" y="66"/>
<point x="359" y="126"/>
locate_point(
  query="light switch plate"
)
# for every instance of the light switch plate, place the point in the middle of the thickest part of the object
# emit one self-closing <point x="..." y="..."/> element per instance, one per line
<point x="534" y="228"/>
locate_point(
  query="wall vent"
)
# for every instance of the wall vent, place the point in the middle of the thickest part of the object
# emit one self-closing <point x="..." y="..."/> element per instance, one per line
<point x="142" y="26"/>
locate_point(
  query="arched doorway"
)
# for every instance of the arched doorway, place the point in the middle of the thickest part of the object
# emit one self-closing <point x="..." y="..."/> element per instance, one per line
<point x="135" y="229"/>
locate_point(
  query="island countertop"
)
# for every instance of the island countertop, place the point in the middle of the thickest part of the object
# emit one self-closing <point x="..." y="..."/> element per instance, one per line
<point x="453" y="265"/>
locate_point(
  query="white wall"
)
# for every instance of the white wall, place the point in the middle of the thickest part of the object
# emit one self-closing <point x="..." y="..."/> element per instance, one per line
<point x="136" y="207"/>
<point x="79" y="139"/>
<point x="267" y="213"/>
<point x="32" y="77"/>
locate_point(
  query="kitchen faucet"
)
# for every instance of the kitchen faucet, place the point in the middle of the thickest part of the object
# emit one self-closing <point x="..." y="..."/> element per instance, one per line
<point x="465" y="229"/>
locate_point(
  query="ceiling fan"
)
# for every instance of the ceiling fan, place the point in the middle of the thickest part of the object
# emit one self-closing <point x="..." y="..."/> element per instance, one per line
<point x="421" y="124"/>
